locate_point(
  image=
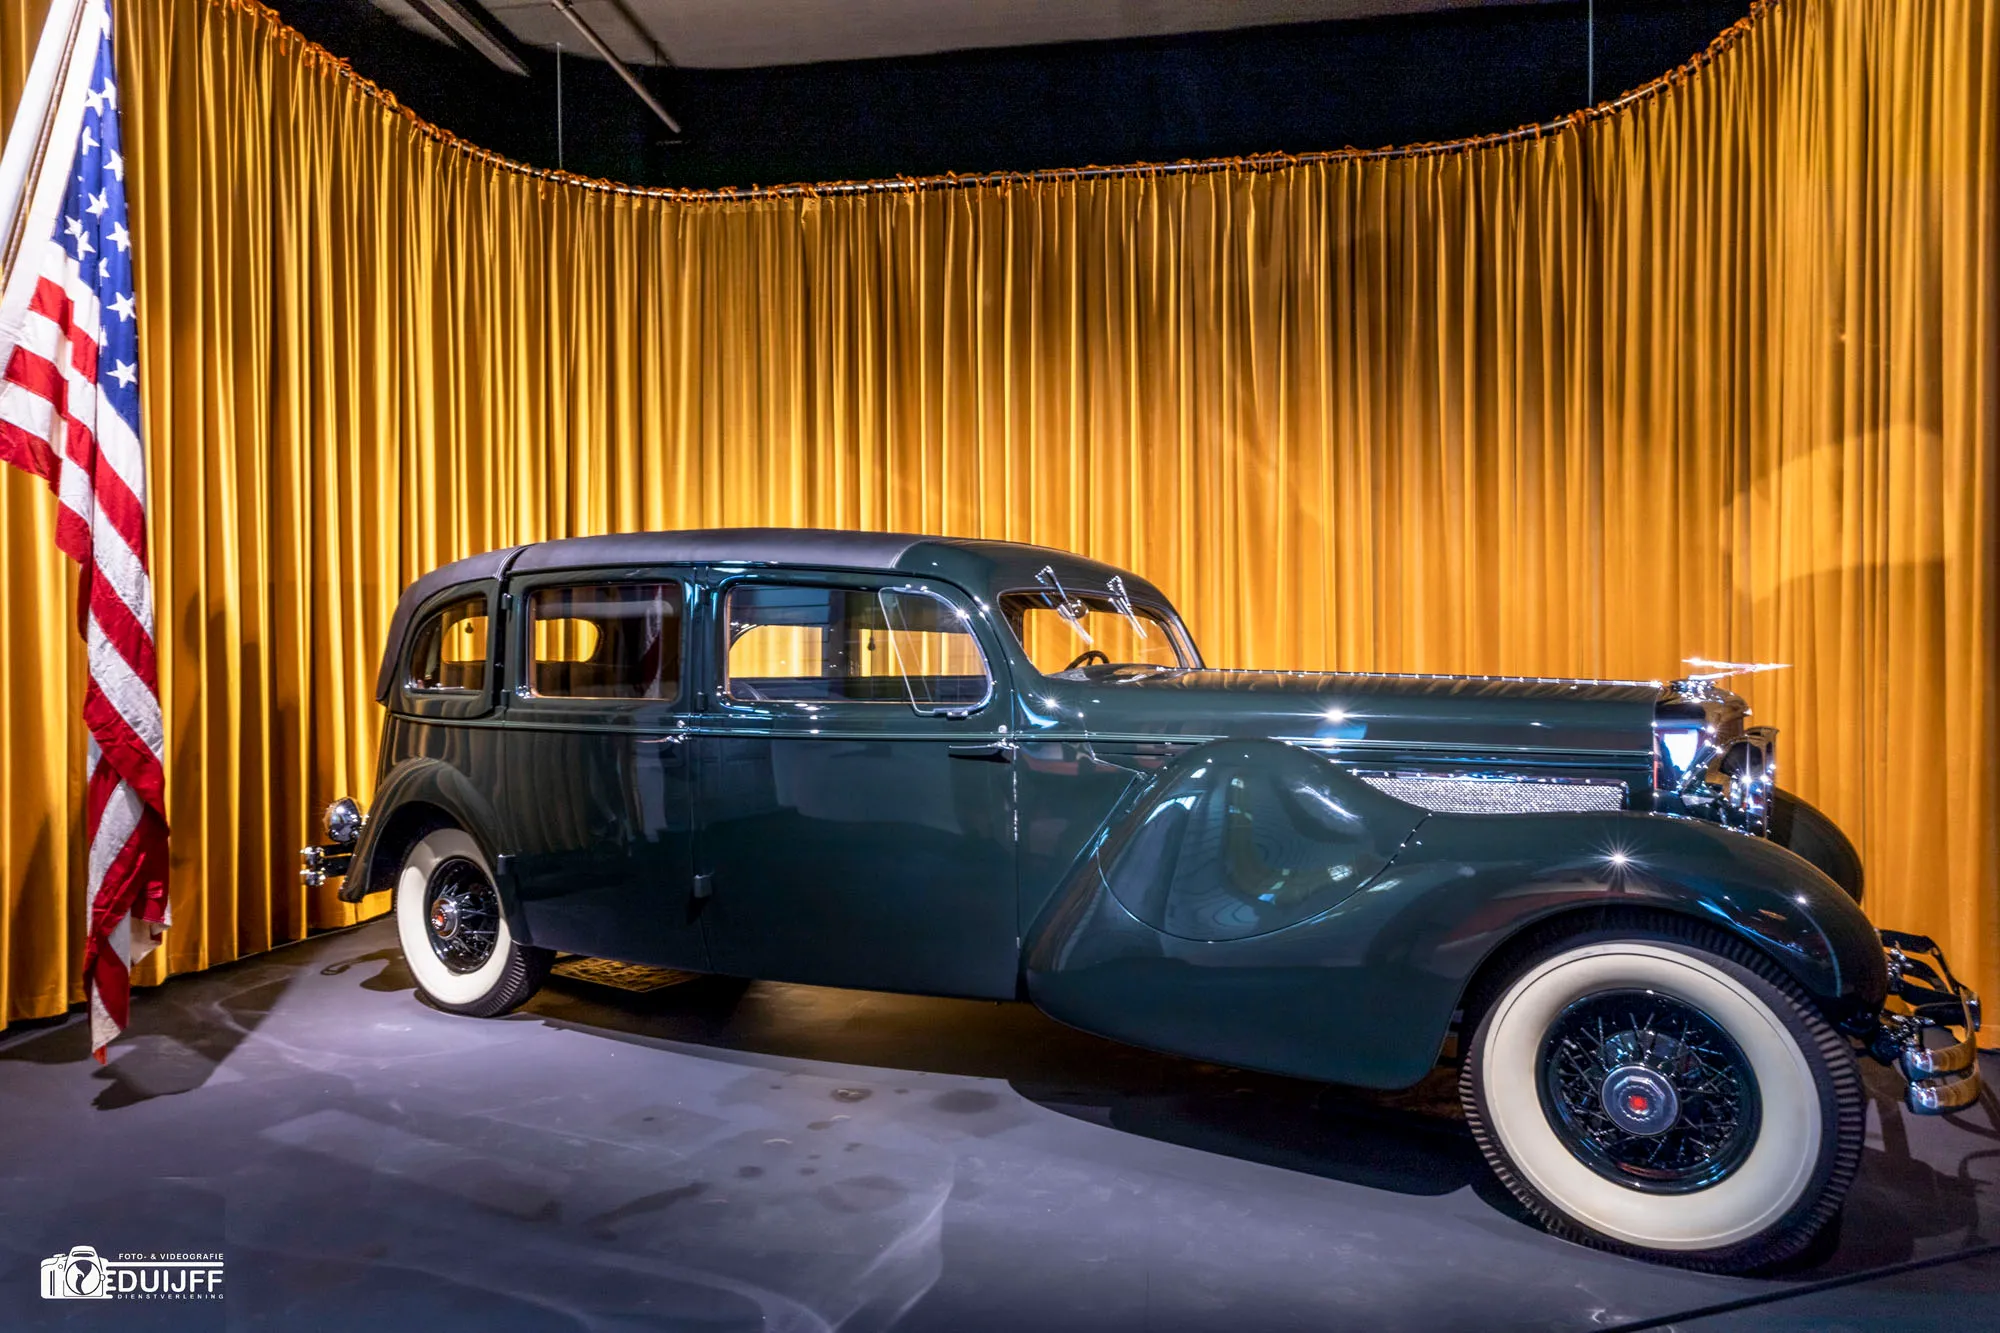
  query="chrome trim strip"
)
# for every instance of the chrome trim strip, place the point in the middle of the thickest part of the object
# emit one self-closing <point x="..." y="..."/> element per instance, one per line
<point x="1436" y="675"/>
<point x="1331" y="743"/>
<point x="1318" y="745"/>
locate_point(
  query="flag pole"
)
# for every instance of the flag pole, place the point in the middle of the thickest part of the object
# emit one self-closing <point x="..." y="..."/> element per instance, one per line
<point x="70" y="402"/>
<point x="57" y="49"/>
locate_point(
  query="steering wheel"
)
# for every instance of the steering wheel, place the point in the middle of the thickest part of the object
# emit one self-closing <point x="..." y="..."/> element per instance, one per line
<point x="1084" y="657"/>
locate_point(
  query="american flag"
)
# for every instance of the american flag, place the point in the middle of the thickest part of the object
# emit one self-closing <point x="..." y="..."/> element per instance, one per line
<point x="69" y="413"/>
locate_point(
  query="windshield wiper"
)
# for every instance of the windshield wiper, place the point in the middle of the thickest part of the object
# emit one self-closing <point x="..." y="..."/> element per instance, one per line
<point x="1068" y="607"/>
<point x="1121" y="602"/>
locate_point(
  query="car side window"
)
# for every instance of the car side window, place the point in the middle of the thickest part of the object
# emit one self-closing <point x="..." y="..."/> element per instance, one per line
<point x="605" y="641"/>
<point x="449" y="655"/>
<point x="801" y="644"/>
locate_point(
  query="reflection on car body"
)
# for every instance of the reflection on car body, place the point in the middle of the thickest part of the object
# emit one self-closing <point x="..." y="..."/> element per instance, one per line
<point x="986" y="769"/>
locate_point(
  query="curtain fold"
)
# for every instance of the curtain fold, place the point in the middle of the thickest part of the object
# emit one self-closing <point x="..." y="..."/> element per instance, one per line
<point x="1715" y="372"/>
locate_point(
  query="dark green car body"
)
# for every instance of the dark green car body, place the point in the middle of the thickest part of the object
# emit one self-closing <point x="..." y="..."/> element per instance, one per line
<point x="1304" y="873"/>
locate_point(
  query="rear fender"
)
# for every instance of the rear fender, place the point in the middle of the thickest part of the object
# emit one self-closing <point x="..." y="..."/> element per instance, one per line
<point x="426" y="783"/>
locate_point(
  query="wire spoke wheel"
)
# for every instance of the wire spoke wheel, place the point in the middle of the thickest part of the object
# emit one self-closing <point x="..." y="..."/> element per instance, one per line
<point x="1652" y="1086"/>
<point x="462" y="915"/>
<point x="1648" y="1091"/>
<point x="454" y="930"/>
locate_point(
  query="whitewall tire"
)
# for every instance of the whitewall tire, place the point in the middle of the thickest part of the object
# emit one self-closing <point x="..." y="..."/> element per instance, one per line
<point x="1667" y="1093"/>
<point x="454" y="935"/>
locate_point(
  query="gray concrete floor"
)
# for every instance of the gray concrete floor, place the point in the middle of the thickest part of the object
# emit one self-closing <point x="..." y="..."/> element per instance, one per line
<point x="713" y="1157"/>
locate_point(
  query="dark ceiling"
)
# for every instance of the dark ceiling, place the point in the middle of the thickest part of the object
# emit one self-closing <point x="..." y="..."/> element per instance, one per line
<point x="1297" y="86"/>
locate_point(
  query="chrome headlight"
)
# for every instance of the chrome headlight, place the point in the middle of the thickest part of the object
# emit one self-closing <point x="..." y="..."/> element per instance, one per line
<point x="343" y="821"/>
<point x="1677" y="747"/>
<point x="1751" y="766"/>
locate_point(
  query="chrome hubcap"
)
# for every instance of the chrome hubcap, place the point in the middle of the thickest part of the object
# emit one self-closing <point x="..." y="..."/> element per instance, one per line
<point x="1639" y="1100"/>
<point x="463" y="913"/>
<point x="1648" y="1091"/>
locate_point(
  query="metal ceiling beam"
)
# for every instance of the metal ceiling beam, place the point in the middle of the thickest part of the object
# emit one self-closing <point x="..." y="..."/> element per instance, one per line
<point x="611" y="57"/>
<point x="455" y="16"/>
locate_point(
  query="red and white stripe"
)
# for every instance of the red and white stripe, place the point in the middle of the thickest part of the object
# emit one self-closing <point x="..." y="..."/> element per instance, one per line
<point x="54" y="423"/>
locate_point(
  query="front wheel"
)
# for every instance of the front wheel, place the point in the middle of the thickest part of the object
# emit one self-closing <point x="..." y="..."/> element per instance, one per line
<point x="454" y="935"/>
<point x="1669" y="1094"/>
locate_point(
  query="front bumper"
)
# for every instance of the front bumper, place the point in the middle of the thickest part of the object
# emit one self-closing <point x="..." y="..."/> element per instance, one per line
<point x="1929" y="1029"/>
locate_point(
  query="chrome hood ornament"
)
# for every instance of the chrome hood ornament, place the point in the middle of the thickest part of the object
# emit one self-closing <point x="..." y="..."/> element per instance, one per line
<point x="1718" y="670"/>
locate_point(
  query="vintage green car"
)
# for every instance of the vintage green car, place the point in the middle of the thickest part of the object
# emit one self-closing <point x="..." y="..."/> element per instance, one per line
<point x="979" y="768"/>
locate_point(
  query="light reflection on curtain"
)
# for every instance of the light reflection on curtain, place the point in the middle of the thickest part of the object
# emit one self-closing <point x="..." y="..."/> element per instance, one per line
<point x="1713" y="374"/>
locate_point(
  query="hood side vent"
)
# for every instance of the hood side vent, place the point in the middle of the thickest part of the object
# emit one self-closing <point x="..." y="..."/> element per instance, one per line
<point x="1484" y="794"/>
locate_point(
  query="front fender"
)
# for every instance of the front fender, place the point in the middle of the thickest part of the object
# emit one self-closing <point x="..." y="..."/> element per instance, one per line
<point x="1363" y="990"/>
<point x="1529" y="869"/>
<point x="419" y="781"/>
<point x="1240" y="838"/>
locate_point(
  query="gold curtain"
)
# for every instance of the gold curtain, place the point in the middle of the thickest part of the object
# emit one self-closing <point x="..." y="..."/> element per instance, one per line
<point x="1716" y="372"/>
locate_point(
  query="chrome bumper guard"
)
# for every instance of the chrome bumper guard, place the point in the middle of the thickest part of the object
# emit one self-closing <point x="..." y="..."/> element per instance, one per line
<point x="1942" y="1078"/>
<point x="330" y="859"/>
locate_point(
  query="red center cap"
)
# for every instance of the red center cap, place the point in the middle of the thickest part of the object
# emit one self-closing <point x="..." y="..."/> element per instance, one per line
<point x="1637" y="1101"/>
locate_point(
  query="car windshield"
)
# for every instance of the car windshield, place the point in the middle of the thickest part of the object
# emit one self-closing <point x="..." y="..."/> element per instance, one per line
<point x="1081" y="631"/>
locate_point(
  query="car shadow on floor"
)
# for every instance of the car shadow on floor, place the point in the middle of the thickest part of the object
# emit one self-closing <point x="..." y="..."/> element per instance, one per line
<point x="1410" y="1142"/>
<point x="1916" y="1194"/>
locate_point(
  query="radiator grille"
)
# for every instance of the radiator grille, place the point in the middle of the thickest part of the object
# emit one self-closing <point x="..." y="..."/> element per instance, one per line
<point x="1499" y="796"/>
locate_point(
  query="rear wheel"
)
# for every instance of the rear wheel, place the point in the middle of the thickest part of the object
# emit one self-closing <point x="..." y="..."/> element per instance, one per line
<point x="1669" y="1094"/>
<point x="454" y="934"/>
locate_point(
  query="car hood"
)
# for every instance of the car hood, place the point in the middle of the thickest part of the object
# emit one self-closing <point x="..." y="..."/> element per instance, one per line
<point x="1492" y="716"/>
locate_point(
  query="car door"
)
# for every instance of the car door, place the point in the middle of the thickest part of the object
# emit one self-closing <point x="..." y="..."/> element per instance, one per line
<point x="598" y="799"/>
<point x="856" y="790"/>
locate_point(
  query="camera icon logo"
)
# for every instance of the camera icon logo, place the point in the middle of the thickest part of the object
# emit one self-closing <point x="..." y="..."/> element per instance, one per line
<point x="78" y="1274"/>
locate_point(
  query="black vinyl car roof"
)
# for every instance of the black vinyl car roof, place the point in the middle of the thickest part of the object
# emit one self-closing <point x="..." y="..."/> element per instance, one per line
<point x="707" y="546"/>
<point x="981" y="565"/>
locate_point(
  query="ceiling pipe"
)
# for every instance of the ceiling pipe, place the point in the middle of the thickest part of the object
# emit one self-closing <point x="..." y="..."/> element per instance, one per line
<point x="644" y="33"/>
<point x="453" y="15"/>
<point x="611" y="58"/>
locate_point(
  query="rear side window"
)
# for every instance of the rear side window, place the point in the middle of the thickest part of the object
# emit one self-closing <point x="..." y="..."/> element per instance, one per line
<point x="449" y="655"/>
<point x="851" y="645"/>
<point x="605" y="641"/>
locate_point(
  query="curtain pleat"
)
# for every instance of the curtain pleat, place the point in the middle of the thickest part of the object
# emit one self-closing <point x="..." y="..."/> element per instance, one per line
<point x="1716" y="373"/>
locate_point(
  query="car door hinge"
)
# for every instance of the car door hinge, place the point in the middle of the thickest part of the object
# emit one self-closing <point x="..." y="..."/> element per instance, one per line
<point x="993" y="752"/>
